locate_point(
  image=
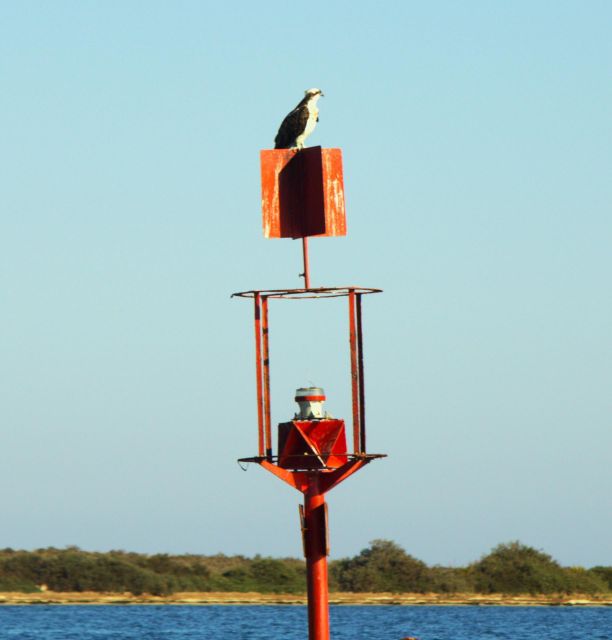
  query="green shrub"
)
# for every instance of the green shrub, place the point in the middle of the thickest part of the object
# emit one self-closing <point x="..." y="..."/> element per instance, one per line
<point x="383" y="566"/>
<point x="19" y="585"/>
<point x="450" y="580"/>
<point x="605" y="574"/>
<point x="266" y="575"/>
<point x="515" y="568"/>
<point x="579" y="580"/>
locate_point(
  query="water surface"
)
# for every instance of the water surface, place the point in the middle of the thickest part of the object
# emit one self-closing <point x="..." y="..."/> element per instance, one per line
<point x="176" y="622"/>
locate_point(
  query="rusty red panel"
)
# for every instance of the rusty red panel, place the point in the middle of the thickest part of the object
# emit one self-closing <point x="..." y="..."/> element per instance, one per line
<point x="302" y="193"/>
<point x="312" y="444"/>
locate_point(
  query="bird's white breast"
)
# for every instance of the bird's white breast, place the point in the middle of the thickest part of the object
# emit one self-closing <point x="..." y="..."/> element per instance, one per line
<point x="313" y="114"/>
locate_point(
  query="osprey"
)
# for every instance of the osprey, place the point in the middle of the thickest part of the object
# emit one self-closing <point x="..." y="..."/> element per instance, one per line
<point x="299" y="123"/>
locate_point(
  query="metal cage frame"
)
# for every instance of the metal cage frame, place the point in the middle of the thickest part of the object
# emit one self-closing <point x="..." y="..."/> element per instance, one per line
<point x="262" y="358"/>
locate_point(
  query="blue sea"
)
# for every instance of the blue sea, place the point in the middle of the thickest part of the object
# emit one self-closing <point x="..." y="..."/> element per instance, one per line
<point x="41" y="622"/>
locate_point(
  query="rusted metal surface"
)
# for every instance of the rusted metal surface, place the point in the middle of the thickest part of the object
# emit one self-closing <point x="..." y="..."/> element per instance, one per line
<point x="302" y="193"/>
<point x="303" y="196"/>
<point x="347" y="470"/>
<point x="312" y="444"/>
<point x="262" y="355"/>
<point x="258" y="369"/>
<point x="318" y="292"/>
<point x="333" y="192"/>
<point x="266" y="377"/>
<point x="328" y="478"/>
<point x="362" y="430"/>
<point x="315" y="531"/>
<point x="312" y="454"/>
<point x="306" y="273"/>
<point x="354" y="372"/>
<point x="317" y="549"/>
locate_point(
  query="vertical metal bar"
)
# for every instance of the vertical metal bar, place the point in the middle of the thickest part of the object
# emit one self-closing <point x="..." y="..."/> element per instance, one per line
<point x="362" y="429"/>
<point x="266" y="378"/>
<point x="315" y="543"/>
<point x="258" y="363"/>
<point x="306" y="273"/>
<point x="354" y="370"/>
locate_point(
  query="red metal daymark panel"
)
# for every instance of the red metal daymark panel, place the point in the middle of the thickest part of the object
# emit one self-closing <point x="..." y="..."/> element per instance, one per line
<point x="295" y="450"/>
<point x="333" y="193"/>
<point x="312" y="444"/>
<point x="302" y="193"/>
<point x="329" y="439"/>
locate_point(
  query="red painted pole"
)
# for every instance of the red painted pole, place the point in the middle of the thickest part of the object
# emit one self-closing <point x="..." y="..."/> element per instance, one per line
<point x="266" y="377"/>
<point x="354" y="372"/>
<point x="362" y="430"/>
<point x="315" y="543"/>
<point x="258" y="366"/>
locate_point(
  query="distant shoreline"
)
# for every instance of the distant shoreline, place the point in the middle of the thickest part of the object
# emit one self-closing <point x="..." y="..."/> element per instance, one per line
<point x="239" y="598"/>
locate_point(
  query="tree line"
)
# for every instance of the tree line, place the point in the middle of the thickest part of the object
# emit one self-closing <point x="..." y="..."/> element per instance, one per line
<point x="383" y="566"/>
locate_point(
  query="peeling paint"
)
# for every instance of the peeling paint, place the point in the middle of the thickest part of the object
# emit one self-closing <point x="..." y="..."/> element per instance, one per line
<point x="304" y="195"/>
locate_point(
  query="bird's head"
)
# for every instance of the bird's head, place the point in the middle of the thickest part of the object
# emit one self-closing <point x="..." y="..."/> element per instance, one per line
<point x="310" y="93"/>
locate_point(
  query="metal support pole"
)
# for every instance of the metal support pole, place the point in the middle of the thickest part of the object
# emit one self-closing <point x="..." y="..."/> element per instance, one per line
<point x="316" y="550"/>
<point x="362" y="429"/>
<point x="354" y="373"/>
<point x="306" y="273"/>
<point x="266" y="378"/>
<point x="260" y="413"/>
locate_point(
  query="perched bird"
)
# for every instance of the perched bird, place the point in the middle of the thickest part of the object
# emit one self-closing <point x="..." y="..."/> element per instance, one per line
<point x="299" y="123"/>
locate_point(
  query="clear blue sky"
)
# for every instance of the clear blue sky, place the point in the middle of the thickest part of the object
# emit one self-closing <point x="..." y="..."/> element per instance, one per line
<point x="477" y="154"/>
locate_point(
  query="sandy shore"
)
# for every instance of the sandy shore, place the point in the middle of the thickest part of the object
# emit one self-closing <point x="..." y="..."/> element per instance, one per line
<point x="51" y="597"/>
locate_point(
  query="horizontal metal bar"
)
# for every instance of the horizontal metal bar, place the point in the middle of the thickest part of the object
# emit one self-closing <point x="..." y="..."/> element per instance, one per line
<point x="350" y="455"/>
<point x="320" y="292"/>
